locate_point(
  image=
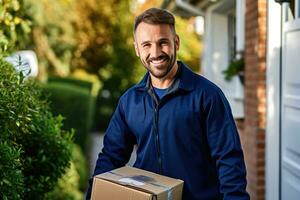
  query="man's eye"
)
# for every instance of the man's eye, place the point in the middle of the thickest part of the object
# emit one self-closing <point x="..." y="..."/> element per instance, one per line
<point x="146" y="45"/>
<point x="164" y="43"/>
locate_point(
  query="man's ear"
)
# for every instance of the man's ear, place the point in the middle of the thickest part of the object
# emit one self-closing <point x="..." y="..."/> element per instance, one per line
<point x="136" y="49"/>
<point x="177" y="42"/>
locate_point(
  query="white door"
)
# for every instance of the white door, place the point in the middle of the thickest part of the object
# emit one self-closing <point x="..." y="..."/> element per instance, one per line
<point x="290" y="106"/>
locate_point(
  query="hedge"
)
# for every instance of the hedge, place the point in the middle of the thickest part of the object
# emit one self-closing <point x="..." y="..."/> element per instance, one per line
<point x="75" y="104"/>
<point x="73" y="81"/>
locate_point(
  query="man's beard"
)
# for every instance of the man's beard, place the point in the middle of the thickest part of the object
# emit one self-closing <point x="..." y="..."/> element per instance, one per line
<point x="163" y="72"/>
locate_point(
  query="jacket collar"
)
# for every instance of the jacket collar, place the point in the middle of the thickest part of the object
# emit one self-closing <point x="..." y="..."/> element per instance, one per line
<point x="183" y="79"/>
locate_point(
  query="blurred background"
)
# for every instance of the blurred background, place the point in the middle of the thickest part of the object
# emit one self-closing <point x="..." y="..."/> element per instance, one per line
<point x="65" y="63"/>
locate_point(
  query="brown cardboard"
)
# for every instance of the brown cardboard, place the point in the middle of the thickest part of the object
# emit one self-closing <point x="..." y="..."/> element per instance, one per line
<point x="128" y="183"/>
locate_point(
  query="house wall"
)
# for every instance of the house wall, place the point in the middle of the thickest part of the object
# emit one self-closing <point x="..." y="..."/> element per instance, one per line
<point x="215" y="58"/>
<point x="252" y="129"/>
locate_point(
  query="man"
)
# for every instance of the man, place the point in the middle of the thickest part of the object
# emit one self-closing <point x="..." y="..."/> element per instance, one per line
<point x="181" y="122"/>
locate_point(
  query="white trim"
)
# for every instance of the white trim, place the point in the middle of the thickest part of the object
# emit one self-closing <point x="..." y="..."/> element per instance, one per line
<point x="273" y="101"/>
<point x="240" y="25"/>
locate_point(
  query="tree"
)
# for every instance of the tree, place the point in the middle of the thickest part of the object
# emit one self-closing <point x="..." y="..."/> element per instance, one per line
<point x="15" y="26"/>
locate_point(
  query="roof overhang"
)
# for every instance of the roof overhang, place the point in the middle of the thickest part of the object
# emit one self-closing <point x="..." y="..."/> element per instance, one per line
<point x="188" y="8"/>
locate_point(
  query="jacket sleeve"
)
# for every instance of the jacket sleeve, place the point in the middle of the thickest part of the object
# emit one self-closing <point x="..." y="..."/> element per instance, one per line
<point x="117" y="146"/>
<point x="225" y="148"/>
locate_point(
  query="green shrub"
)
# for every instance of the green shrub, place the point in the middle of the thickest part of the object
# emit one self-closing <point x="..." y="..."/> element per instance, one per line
<point x="67" y="187"/>
<point x="73" y="81"/>
<point x="73" y="184"/>
<point x="75" y="104"/>
<point x="27" y="125"/>
<point x="81" y="166"/>
<point x="91" y="85"/>
<point x="11" y="177"/>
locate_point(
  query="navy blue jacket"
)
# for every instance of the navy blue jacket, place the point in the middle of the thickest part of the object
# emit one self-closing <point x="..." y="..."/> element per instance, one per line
<point x="189" y="134"/>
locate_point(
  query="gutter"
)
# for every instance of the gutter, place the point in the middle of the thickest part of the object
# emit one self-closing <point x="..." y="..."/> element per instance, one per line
<point x="188" y="7"/>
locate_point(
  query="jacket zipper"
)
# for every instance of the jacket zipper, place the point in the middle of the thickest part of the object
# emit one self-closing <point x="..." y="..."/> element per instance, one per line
<point x="157" y="138"/>
<point x="156" y="104"/>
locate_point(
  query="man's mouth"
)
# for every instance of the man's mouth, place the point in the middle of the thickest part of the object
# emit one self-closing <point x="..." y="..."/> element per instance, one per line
<point x="159" y="61"/>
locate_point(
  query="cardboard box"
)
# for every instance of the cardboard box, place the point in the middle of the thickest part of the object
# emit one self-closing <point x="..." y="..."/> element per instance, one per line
<point x="129" y="183"/>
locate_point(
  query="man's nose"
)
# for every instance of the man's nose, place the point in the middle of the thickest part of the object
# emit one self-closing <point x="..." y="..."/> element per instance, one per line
<point x="155" y="51"/>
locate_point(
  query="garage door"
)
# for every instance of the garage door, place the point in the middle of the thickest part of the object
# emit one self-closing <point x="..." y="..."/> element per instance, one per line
<point x="290" y="106"/>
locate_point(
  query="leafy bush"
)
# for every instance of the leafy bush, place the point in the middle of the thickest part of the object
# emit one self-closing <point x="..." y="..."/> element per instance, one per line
<point x="76" y="104"/>
<point x="67" y="187"/>
<point x="33" y="134"/>
<point x="81" y="167"/>
<point x="11" y="177"/>
<point x="73" y="184"/>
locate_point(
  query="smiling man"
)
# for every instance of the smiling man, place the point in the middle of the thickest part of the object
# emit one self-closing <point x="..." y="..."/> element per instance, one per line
<point x="156" y="46"/>
<point x="180" y="121"/>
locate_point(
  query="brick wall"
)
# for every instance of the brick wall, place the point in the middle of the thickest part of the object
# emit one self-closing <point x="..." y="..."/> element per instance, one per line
<point x="252" y="128"/>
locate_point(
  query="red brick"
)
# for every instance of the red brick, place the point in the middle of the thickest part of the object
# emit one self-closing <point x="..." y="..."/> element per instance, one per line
<point x="253" y="134"/>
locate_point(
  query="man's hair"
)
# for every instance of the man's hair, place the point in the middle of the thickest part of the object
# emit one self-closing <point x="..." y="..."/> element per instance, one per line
<point x="155" y="16"/>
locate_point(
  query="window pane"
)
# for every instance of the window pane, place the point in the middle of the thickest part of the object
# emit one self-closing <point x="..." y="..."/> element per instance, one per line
<point x="290" y="10"/>
<point x="231" y="37"/>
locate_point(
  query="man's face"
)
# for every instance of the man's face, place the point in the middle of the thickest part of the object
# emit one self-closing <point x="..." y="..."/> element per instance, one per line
<point x="156" y="46"/>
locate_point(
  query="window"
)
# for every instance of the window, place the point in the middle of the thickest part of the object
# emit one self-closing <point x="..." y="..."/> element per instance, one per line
<point x="231" y="37"/>
<point x="290" y="10"/>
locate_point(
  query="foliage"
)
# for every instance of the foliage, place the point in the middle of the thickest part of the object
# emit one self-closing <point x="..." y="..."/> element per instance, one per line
<point x="75" y="103"/>
<point x="11" y="177"/>
<point x="71" y="81"/>
<point x="33" y="134"/>
<point x="85" y="38"/>
<point x="15" y="25"/>
<point x="234" y="68"/>
<point x="190" y="43"/>
<point x="122" y="69"/>
<point x="53" y="36"/>
<point x="81" y="167"/>
<point x="81" y="74"/>
<point x="67" y="187"/>
<point x="72" y="185"/>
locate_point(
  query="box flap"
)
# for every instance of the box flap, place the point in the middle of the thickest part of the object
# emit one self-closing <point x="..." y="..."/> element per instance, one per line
<point x="141" y="180"/>
<point x="108" y="190"/>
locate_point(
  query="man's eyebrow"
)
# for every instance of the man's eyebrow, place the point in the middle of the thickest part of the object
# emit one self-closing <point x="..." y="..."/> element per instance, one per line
<point x="163" y="39"/>
<point x="145" y="42"/>
<point x="160" y="40"/>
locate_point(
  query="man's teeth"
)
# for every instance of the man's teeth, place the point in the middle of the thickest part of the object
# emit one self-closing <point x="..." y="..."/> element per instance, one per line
<point x="157" y="61"/>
